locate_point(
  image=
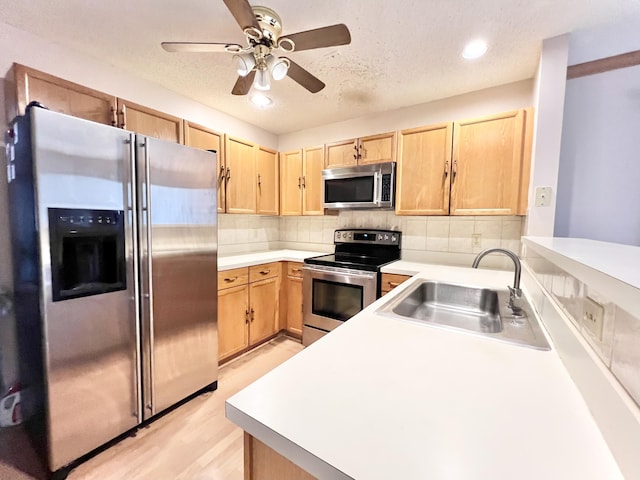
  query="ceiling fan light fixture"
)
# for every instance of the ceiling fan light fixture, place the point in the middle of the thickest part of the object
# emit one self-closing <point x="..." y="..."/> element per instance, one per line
<point x="475" y="49"/>
<point x="244" y="63"/>
<point x="278" y="67"/>
<point x="261" y="100"/>
<point x="263" y="80"/>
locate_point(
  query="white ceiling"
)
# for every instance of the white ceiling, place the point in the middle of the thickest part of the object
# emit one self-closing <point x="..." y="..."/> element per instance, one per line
<point x="403" y="52"/>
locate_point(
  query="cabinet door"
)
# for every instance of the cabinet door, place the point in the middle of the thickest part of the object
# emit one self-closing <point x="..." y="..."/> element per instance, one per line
<point x="312" y="181"/>
<point x="268" y="181"/>
<point x="291" y="183"/>
<point x="294" y="306"/>
<point x="390" y="281"/>
<point x="487" y="163"/>
<point x="342" y="154"/>
<point x="233" y="321"/>
<point x="62" y="96"/>
<point x="264" y="304"/>
<point x="240" y="175"/>
<point x="149" y="122"/>
<point x="422" y="183"/>
<point x="377" y="148"/>
<point x="201" y="137"/>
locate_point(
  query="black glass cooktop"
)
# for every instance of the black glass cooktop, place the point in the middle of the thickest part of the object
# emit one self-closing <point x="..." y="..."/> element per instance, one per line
<point x="349" y="260"/>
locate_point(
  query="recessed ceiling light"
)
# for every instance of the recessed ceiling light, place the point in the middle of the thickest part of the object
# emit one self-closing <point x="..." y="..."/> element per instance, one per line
<point x="475" y="49"/>
<point x="261" y="100"/>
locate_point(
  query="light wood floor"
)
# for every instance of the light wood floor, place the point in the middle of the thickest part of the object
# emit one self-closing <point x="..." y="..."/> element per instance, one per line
<point x="194" y="442"/>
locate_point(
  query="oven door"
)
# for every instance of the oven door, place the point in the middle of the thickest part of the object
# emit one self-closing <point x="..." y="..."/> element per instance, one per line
<point x="332" y="295"/>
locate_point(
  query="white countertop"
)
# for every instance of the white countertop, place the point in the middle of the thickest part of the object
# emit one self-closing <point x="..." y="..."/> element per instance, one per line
<point x="618" y="261"/>
<point x="380" y="398"/>
<point x="250" y="259"/>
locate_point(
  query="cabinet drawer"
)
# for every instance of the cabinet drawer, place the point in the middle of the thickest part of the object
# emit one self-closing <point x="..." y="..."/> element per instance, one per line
<point x="266" y="270"/>
<point x="294" y="269"/>
<point x="391" y="281"/>
<point x="233" y="278"/>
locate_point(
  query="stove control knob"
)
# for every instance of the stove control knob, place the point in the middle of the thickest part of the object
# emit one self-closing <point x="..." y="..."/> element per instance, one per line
<point x="379" y="236"/>
<point x="386" y="237"/>
<point x="393" y="238"/>
<point x="349" y="235"/>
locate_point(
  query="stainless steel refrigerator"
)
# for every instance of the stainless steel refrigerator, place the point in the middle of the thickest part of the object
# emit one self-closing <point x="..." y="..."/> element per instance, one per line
<point x="114" y="241"/>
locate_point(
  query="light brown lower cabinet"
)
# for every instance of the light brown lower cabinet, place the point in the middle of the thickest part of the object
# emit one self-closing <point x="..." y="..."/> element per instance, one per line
<point x="248" y="308"/>
<point x="294" y="299"/>
<point x="391" y="281"/>
<point x="263" y="463"/>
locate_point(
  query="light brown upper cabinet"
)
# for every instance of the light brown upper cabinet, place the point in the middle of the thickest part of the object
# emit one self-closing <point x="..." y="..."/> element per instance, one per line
<point x="471" y="167"/>
<point x="360" y="151"/>
<point x="251" y="177"/>
<point x="424" y="164"/>
<point x="267" y="189"/>
<point x="204" y="138"/>
<point x="79" y="101"/>
<point x="491" y="161"/>
<point x="240" y="174"/>
<point x="301" y="181"/>
<point x="58" y="95"/>
<point x="149" y="122"/>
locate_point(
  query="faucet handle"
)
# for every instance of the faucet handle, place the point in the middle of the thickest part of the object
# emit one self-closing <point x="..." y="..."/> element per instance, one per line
<point x="514" y="292"/>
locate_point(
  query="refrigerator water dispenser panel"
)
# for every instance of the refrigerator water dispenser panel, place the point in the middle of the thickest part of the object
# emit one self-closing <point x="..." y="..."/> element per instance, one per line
<point x="87" y="252"/>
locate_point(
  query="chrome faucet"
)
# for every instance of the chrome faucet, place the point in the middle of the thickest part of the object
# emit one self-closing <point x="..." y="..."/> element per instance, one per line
<point x="514" y="292"/>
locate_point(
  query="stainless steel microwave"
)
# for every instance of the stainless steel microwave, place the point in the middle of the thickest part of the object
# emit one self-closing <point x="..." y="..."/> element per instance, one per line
<point x="363" y="186"/>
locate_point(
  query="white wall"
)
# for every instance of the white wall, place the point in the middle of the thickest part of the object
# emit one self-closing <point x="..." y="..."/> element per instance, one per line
<point x="599" y="180"/>
<point x="474" y="104"/>
<point x="598" y="186"/>
<point x="549" y="100"/>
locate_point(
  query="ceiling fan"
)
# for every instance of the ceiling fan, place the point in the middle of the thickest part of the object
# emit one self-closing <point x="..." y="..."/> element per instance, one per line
<point x="256" y="62"/>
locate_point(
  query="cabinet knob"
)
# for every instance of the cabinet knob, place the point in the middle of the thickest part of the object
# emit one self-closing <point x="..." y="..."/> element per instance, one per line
<point x="252" y="313"/>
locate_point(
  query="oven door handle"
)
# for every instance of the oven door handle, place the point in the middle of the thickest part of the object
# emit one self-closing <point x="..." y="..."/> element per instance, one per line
<point x="351" y="273"/>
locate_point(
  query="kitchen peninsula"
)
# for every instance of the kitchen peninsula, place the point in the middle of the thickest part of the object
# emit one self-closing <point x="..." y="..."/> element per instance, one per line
<point x="382" y="398"/>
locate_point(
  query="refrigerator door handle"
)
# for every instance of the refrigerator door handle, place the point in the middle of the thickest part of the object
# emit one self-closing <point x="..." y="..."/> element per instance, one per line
<point x="146" y="273"/>
<point x="133" y="216"/>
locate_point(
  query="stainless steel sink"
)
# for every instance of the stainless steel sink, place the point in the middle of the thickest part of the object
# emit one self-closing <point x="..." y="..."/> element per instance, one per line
<point x="477" y="310"/>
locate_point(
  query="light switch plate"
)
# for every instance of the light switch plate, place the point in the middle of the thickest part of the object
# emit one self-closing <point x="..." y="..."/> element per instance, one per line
<point x="543" y="196"/>
<point x="593" y="317"/>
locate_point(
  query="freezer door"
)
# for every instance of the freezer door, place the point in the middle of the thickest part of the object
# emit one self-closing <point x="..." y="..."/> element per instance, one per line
<point x="89" y="343"/>
<point x="178" y="254"/>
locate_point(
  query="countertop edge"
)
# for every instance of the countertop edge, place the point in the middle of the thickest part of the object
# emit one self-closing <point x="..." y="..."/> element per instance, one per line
<point x="618" y="290"/>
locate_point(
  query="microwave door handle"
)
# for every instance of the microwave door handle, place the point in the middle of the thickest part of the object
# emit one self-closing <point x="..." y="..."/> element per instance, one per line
<point x="377" y="188"/>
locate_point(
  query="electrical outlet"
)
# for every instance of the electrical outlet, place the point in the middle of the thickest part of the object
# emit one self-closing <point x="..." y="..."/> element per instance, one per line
<point x="543" y="196"/>
<point x="476" y="240"/>
<point x="593" y="317"/>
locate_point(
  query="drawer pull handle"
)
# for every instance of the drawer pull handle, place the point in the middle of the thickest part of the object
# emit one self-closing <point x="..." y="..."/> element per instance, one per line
<point x="393" y="284"/>
<point x="230" y="279"/>
<point x="265" y="272"/>
<point x="295" y="269"/>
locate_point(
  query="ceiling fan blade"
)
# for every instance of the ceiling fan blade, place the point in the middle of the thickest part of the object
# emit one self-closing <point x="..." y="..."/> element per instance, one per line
<point x="243" y="13"/>
<point x="320" y="37"/>
<point x="304" y="78"/>
<point x="199" y="47"/>
<point x="243" y="84"/>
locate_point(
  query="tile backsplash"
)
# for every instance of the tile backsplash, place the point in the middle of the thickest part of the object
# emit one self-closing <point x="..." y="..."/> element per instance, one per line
<point x="447" y="240"/>
<point x="618" y="343"/>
